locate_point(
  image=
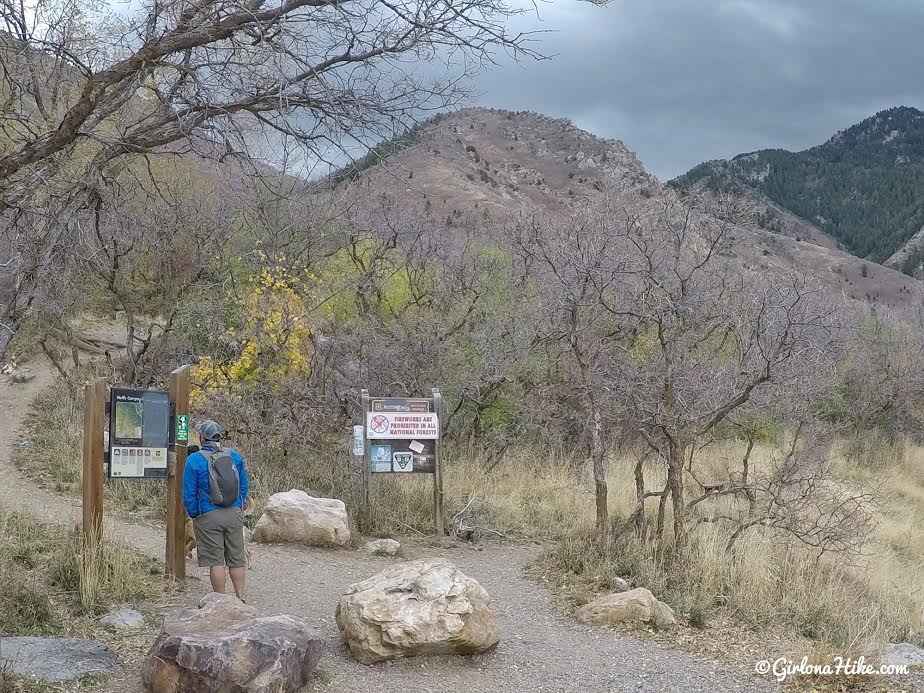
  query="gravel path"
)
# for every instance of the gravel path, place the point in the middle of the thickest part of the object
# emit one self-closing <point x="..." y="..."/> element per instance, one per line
<point x="17" y="492"/>
<point x="540" y="650"/>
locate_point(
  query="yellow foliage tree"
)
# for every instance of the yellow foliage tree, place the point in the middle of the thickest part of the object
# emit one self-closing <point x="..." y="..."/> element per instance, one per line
<point x="268" y="340"/>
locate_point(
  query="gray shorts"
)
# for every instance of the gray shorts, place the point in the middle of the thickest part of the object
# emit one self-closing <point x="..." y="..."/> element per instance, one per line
<point x="220" y="538"/>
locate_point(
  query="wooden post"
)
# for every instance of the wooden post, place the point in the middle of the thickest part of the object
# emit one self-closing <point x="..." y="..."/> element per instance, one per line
<point x="94" y="416"/>
<point x="367" y="460"/>
<point x="175" y="557"/>
<point x="438" y="472"/>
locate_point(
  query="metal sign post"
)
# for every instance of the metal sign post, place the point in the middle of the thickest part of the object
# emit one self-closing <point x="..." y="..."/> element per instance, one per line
<point x="437" y="469"/>
<point x="367" y="468"/>
<point x="402" y="436"/>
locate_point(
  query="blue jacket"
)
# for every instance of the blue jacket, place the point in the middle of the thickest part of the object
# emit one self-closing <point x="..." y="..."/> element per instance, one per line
<point x="196" y="483"/>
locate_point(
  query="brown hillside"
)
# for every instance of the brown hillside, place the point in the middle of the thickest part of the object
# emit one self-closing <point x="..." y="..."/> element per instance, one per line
<point x="495" y="165"/>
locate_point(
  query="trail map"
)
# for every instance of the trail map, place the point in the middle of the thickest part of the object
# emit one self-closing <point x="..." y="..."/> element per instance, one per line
<point x="129" y="420"/>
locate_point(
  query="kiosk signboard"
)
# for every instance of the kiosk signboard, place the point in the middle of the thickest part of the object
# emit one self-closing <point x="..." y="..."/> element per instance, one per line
<point x="401" y="439"/>
<point x="139" y="433"/>
<point x="401" y="435"/>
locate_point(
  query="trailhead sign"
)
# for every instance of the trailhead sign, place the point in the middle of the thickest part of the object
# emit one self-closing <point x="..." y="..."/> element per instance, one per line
<point x="402" y="436"/>
<point x="139" y="433"/>
<point x="147" y="432"/>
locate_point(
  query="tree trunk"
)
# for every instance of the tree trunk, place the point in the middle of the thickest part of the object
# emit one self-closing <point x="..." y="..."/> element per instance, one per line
<point x="6" y="336"/>
<point x="745" y="481"/>
<point x="597" y="454"/>
<point x="640" y="497"/>
<point x="662" y="507"/>
<point x="675" y="485"/>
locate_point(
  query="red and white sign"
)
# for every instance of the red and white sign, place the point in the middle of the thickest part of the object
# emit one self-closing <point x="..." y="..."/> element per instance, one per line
<point x="384" y="425"/>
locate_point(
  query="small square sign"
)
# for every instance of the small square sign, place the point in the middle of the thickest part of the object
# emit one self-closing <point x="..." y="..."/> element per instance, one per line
<point x="381" y="458"/>
<point x="403" y="462"/>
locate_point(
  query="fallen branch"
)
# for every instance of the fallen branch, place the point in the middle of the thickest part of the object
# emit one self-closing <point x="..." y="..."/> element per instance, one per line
<point x="464" y="527"/>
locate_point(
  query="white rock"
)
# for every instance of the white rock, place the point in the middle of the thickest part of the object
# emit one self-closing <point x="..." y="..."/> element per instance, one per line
<point x="294" y="516"/>
<point x="638" y="605"/>
<point x="383" y="547"/>
<point x="424" y="607"/>
<point x="123" y="619"/>
<point x="22" y="375"/>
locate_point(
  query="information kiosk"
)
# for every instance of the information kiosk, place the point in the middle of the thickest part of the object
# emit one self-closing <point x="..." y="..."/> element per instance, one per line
<point x="139" y="433"/>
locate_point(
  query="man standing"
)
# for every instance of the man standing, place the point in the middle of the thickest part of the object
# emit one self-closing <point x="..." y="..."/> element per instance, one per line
<point x="215" y="487"/>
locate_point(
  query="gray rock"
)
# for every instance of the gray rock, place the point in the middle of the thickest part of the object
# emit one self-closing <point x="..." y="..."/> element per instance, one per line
<point x="902" y="653"/>
<point x="638" y="605"/>
<point x="56" y="659"/>
<point x="620" y="585"/>
<point x="383" y="547"/>
<point x="22" y="375"/>
<point x="225" y="646"/>
<point x="123" y="619"/>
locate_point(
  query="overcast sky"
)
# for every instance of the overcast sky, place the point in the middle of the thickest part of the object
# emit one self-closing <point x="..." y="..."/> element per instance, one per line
<point x="683" y="81"/>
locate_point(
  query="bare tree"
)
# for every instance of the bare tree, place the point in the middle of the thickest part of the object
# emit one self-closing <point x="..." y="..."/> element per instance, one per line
<point x="707" y="339"/>
<point x="576" y="268"/>
<point x="797" y="495"/>
<point x="83" y="96"/>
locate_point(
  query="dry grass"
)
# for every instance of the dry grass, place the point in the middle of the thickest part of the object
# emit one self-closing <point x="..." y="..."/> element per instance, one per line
<point x="769" y="581"/>
<point x="525" y="496"/>
<point x="53" y="586"/>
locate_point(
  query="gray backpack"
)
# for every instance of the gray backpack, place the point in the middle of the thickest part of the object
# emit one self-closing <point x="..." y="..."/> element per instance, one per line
<point x="224" y="479"/>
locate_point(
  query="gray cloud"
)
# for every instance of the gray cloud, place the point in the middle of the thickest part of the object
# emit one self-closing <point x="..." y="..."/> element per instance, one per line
<point x="683" y="81"/>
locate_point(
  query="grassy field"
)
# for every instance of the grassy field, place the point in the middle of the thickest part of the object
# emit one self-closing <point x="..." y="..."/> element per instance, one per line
<point x="767" y="583"/>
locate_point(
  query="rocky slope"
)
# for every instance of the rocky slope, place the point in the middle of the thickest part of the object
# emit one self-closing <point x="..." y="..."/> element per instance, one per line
<point x="497" y="163"/>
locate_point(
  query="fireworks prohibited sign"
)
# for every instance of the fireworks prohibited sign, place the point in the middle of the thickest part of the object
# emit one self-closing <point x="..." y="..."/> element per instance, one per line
<point x="391" y="425"/>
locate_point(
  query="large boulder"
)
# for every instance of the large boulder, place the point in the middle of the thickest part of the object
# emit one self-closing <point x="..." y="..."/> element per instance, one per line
<point x="294" y="516"/>
<point x="424" y="607"/>
<point x="225" y="646"/>
<point x="638" y="605"/>
<point x="55" y="659"/>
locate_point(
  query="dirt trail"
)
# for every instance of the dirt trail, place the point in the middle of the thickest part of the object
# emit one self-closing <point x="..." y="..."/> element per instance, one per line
<point x="540" y="650"/>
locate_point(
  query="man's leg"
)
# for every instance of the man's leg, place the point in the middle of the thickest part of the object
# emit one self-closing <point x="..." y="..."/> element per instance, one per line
<point x="237" y="579"/>
<point x="235" y="555"/>
<point x="217" y="578"/>
<point x="210" y="548"/>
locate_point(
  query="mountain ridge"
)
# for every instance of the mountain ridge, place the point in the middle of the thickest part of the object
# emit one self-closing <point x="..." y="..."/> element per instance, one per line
<point x="489" y="167"/>
<point x="862" y="187"/>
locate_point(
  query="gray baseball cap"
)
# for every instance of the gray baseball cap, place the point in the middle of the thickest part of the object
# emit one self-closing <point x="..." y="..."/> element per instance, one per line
<point x="209" y="430"/>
